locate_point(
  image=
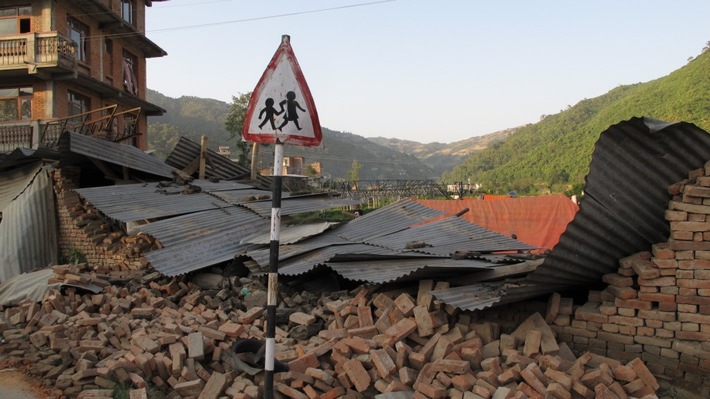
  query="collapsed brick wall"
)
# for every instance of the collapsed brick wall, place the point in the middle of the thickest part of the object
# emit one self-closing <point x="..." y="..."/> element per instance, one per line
<point x="84" y="230"/>
<point x="657" y="305"/>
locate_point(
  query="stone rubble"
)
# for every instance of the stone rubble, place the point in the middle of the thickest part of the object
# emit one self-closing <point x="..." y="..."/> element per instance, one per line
<point x="172" y="338"/>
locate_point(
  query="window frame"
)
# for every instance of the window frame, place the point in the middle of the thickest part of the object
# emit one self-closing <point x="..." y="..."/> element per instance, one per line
<point x="75" y="99"/>
<point x="80" y="29"/>
<point x="22" y="96"/>
<point x="128" y="11"/>
<point x="21" y="14"/>
<point x="130" y="74"/>
<point x="108" y="57"/>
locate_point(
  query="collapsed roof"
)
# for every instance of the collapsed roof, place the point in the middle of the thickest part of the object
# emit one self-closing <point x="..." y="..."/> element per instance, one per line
<point x="625" y="199"/>
<point x="623" y="210"/>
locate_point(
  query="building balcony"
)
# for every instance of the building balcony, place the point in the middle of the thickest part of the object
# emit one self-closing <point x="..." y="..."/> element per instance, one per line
<point x="49" y="53"/>
<point x="102" y="123"/>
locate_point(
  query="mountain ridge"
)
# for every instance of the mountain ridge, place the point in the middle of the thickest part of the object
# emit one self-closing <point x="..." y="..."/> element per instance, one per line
<point x="380" y="158"/>
<point x="549" y="156"/>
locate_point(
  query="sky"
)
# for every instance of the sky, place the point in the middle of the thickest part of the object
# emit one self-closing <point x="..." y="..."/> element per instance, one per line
<point x="425" y="70"/>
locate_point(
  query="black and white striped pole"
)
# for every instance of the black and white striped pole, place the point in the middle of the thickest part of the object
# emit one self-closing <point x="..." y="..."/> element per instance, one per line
<point x="272" y="291"/>
<point x="295" y="122"/>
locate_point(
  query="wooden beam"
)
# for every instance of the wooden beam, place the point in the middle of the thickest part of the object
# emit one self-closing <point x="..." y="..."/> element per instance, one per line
<point x="192" y="167"/>
<point x="103" y="168"/>
<point x="203" y="155"/>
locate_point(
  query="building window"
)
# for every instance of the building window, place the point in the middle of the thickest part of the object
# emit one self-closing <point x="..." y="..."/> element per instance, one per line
<point x="78" y="104"/>
<point x="79" y="33"/>
<point x="129" y="126"/>
<point x="14" y="20"/>
<point x="108" y="57"/>
<point x="16" y="104"/>
<point x="130" y="81"/>
<point x="128" y="11"/>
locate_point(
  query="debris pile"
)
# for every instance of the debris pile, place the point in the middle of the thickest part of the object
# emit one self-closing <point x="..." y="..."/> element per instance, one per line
<point x="175" y="336"/>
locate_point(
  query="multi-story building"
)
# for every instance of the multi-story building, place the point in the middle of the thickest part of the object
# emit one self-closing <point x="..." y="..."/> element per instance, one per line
<point x="77" y="65"/>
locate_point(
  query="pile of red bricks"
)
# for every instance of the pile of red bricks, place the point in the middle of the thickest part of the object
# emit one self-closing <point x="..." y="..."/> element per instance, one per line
<point x="164" y="336"/>
<point x="147" y="333"/>
<point x="83" y="230"/>
<point x="657" y="304"/>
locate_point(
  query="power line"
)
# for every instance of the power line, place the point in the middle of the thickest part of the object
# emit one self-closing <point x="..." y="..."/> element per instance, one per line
<point x="291" y="14"/>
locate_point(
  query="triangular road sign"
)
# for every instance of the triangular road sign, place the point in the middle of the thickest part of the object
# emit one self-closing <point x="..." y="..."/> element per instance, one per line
<point x="281" y="109"/>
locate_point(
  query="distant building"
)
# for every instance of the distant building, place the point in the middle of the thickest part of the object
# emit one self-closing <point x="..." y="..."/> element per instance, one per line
<point x="76" y="65"/>
<point x="223" y="150"/>
<point x="316" y="166"/>
<point x="294" y="166"/>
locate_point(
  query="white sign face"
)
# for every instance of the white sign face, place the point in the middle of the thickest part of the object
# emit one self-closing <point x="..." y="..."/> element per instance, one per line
<point x="281" y="108"/>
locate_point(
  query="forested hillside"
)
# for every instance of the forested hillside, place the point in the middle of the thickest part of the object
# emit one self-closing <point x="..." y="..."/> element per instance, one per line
<point x="442" y="157"/>
<point x="553" y="155"/>
<point x="193" y="117"/>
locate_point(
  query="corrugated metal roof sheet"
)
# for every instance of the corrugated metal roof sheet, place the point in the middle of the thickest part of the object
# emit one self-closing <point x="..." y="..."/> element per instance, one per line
<point x="537" y="220"/>
<point x="296" y="205"/>
<point x="386" y="271"/>
<point x="25" y="286"/>
<point x="24" y="155"/>
<point x="133" y="202"/>
<point x="219" y="186"/>
<point x="446" y="236"/>
<point x="623" y="210"/>
<point x="115" y="153"/>
<point x="13" y="182"/>
<point x="385" y="258"/>
<point x="28" y="238"/>
<point x="289" y="234"/>
<point x="194" y="255"/>
<point x="625" y="198"/>
<point x="232" y="222"/>
<point x="261" y="255"/>
<point x="306" y="262"/>
<point x="386" y="220"/>
<point x="493" y="293"/>
<point x="237" y="197"/>
<point x="187" y="151"/>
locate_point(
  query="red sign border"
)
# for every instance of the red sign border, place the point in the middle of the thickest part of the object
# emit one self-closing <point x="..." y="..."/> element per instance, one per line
<point x="284" y="50"/>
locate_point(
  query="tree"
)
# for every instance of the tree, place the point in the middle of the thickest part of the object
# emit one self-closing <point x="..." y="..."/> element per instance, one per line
<point x="235" y="122"/>
<point x="310" y="171"/>
<point x="354" y="172"/>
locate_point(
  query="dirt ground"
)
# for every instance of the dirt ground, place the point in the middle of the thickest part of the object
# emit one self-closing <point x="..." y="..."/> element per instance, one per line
<point x="14" y="384"/>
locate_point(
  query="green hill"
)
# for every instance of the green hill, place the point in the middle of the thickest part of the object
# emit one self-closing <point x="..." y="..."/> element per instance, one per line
<point x="553" y="155"/>
<point x="442" y="157"/>
<point x="193" y="117"/>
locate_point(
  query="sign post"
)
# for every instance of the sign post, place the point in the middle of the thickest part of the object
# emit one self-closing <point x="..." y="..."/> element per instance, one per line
<point x="281" y="111"/>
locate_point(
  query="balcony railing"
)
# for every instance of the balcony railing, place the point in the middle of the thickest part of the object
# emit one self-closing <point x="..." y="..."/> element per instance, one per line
<point x="13" y="136"/>
<point x="36" y="50"/>
<point x="100" y="123"/>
